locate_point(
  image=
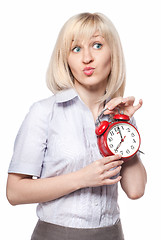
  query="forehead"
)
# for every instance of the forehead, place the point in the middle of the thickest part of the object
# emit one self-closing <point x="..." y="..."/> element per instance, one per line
<point x="85" y="30"/>
<point x="88" y="39"/>
<point x="83" y="39"/>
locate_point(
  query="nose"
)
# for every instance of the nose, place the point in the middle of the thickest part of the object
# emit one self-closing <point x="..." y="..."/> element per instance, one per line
<point x="87" y="56"/>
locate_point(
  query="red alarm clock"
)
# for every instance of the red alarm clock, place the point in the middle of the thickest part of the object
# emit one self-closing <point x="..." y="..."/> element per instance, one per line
<point x="117" y="137"/>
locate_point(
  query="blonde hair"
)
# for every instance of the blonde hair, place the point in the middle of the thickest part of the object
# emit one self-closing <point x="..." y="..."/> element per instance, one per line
<point x="84" y="26"/>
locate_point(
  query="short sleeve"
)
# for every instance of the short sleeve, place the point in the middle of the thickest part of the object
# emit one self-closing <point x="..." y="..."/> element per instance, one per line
<point x="30" y="143"/>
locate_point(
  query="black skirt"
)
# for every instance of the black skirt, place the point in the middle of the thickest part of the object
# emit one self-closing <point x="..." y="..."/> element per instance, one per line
<point x="48" y="231"/>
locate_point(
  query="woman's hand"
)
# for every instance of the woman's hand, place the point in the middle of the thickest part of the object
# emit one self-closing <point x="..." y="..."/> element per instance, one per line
<point x="124" y="104"/>
<point x="100" y="172"/>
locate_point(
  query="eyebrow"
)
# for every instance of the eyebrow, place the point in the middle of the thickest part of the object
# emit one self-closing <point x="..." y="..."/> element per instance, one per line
<point x="94" y="36"/>
<point x="97" y="35"/>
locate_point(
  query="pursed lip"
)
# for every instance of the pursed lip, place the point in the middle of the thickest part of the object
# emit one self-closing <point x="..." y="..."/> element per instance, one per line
<point x="88" y="68"/>
<point x="88" y="71"/>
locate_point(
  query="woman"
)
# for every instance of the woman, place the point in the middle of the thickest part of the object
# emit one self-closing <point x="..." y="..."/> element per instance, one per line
<point x="76" y="187"/>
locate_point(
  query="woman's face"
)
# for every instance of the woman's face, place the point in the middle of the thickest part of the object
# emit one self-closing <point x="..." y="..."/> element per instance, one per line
<point x="90" y="62"/>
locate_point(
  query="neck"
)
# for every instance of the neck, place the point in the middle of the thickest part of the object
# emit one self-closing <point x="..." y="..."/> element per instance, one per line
<point x="90" y="97"/>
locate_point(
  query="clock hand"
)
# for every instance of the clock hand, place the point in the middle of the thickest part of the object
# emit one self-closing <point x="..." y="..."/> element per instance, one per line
<point x="120" y="133"/>
<point x="118" y="146"/>
<point x="122" y="140"/>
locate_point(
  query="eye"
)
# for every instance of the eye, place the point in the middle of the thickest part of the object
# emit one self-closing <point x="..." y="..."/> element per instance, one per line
<point x="76" y="49"/>
<point x="97" y="45"/>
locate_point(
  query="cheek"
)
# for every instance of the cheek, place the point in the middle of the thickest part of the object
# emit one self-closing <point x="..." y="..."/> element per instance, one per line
<point x="72" y="64"/>
<point x="74" y="67"/>
<point x="106" y="65"/>
<point x="107" y="60"/>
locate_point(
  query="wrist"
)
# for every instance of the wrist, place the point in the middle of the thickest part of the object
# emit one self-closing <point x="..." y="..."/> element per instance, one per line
<point x="79" y="180"/>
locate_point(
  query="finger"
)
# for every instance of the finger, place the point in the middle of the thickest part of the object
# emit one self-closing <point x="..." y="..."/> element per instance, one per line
<point x="112" y="104"/>
<point x="112" y="165"/>
<point x="107" y="112"/>
<point x="112" y="181"/>
<point x="111" y="173"/>
<point x="129" y="100"/>
<point x="138" y="105"/>
<point x="112" y="158"/>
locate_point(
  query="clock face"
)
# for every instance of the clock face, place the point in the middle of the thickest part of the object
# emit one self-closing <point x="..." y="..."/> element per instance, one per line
<point x="123" y="138"/>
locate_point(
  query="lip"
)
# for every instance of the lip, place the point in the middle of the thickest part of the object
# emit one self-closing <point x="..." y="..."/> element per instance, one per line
<point x="88" y="71"/>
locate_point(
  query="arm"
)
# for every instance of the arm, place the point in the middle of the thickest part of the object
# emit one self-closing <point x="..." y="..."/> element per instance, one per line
<point x="133" y="172"/>
<point x="23" y="189"/>
<point x="134" y="178"/>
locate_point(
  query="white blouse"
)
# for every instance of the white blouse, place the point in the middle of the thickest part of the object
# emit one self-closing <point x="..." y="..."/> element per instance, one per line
<point x="58" y="137"/>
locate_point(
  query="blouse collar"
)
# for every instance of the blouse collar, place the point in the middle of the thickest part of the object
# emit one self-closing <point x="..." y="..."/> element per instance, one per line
<point x="66" y="95"/>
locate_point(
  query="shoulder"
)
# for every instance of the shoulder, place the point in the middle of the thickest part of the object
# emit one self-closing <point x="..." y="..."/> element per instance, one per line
<point x="40" y="111"/>
<point x="46" y="107"/>
<point x="43" y="106"/>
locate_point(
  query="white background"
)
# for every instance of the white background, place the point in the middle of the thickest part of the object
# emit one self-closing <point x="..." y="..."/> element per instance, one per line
<point x="28" y="31"/>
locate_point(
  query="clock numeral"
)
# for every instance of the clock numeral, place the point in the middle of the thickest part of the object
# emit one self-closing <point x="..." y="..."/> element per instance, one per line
<point x="112" y="133"/>
<point x="116" y="151"/>
<point x="134" y="141"/>
<point x="110" y="139"/>
<point x="122" y="127"/>
<point x="111" y="145"/>
<point x="127" y="151"/>
<point x="132" y="134"/>
<point x="121" y="152"/>
<point x="128" y="129"/>
<point x="132" y="147"/>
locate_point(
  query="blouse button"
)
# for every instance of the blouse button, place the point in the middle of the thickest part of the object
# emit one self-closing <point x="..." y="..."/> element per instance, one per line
<point x="93" y="145"/>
